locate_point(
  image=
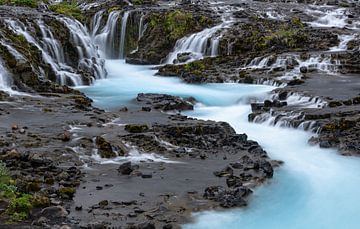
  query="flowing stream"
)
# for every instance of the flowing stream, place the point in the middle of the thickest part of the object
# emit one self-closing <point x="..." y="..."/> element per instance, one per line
<point x="315" y="188"/>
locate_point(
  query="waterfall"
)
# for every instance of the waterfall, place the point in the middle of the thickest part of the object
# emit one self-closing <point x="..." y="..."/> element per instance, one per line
<point x="142" y="27"/>
<point x="53" y="52"/>
<point x="4" y="78"/>
<point x="123" y="34"/>
<point x="197" y="44"/>
<point x="89" y="58"/>
<point x="106" y="39"/>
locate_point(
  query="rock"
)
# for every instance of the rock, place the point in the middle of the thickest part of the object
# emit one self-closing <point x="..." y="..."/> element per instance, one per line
<point x="125" y="168"/>
<point x="226" y="172"/>
<point x="103" y="203"/>
<point x="183" y="57"/>
<point x="303" y="69"/>
<point x="146" y="176"/>
<point x="136" y="128"/>
<point x="14" y="127"/>
<point x="227" y="198"/>
<point x="165" y="102"/>
<point x="147" y="109"/>
<point x="104" y="147"/>
<point x="66" y="136"/>
<point x="146" y="225"/>
<point x="54" y="213"/>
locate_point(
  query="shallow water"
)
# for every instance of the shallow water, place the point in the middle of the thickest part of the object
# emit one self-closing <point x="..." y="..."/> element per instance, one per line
<point x="315" y="188"/>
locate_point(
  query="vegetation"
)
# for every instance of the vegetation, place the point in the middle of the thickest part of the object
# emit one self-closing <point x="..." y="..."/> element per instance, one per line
<point x="28" y="3"/>
<point x="178" y="23"/>
<point x="68" y="9"/>
<point x="19" y="204"/>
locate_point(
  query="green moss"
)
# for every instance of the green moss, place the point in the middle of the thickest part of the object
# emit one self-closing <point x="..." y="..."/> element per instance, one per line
<point x="19" y="207"/>
<point x="40" y="201"/>
<point x="136" y="128"/>
<point x="67" y="192"/>
<point x="114" y="8"/>
<point x="26" y="3"/>
<point x="138" y="2"/>
<point x="68" y="9"/>
<point x="177" y="23"/>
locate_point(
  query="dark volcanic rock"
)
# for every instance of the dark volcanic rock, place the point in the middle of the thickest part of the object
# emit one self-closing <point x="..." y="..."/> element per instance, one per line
<point x="165" y="102"/>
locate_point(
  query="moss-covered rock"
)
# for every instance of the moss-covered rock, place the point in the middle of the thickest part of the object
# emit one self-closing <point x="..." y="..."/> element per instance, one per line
<point x="104" y="148"/>
<point x="164" y="29"/>
<point x="136" y="128"/>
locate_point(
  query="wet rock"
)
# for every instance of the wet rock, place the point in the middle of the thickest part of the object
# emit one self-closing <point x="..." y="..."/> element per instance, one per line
<point x="66" y="136"/>
<point x="54" y="213"/>
<point x="136" y="128"/>
<point x="126" y="168"/>
<point x="227" y="198"/>
<point x="104" y="147"/>
<point x="165" y="102"/>
<point x="303" y="69"/>
<point x="146" y="176"/>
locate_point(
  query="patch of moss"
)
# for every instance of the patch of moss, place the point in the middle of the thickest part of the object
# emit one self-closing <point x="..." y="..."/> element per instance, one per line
<point x="25" y="3"/>
<point x="66" y="192"/>
<point x="138" y="2"/>
<point x="19" y="207"/>
<point x="136" y="128"/>
<point x="40" y="201"/>
<point x="68" y="9"/>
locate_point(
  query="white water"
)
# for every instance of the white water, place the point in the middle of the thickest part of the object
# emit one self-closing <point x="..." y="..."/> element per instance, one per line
<point x="4" y="78"/>
<point x="316" y="188"/>
<point x="53" y="53"/>
<point x="123" y="34"/>
<point x="203" y="43"/>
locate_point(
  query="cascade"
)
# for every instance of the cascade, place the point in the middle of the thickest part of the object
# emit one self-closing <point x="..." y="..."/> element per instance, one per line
<point x="106" y="38"/>
<point x="89" y="57"/>
<point x="123" y="34"/>
<point x="4" y="79"/>
<point x="197" y="44"/>
<point x="53" y="52"/>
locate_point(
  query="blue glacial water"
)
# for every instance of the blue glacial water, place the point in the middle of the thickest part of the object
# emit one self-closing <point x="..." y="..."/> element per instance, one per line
<point x="314" y="189"/>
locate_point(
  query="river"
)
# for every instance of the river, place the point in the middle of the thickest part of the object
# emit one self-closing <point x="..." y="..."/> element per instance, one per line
<point x="315" y="188"/>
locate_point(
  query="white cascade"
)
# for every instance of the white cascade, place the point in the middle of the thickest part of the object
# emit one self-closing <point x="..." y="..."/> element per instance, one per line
<point x="106" y="38"/>
<point x="123" y="34"/>
<point x="89" y="57"/>
<point x="197" y="44"/>
<point x="4" y="78"/>
<point x="63" y="72"/>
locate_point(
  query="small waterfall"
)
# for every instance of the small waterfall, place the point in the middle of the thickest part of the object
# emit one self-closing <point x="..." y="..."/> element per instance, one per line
<point x="63" y="72"/>
<point x="197" y="44"/>
<point x="344" y="40"/>
<point x="142" y="26"/>
<point x="4" y="78"/>
<point x="53" y="52"/>
<point x="331" y="18"/>
<point x="106" y="39"/>
<point x="89" y="58"/>
<point x="123" y="34"/>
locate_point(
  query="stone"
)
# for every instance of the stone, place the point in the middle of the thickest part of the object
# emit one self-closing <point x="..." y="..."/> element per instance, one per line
<point x="66" y="136"/>
<point x="146" y="176"/>
<point x="54" y="212"/>
<point x="125" y="168"/>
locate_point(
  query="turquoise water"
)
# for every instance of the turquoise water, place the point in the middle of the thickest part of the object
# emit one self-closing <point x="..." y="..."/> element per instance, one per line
<point x="314" y="189"/>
